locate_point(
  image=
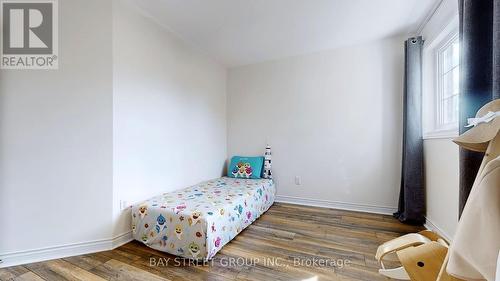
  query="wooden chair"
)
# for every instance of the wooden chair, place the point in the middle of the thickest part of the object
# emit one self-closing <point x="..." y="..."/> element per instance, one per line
<point x="421" y="255"/>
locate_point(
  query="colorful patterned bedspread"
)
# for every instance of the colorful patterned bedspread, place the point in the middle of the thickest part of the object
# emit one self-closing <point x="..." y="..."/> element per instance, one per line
<point x="197" y="221"/>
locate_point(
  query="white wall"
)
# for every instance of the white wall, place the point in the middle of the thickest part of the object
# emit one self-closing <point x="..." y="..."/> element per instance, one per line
<point x="56" y="139"/>
<point x="333" y="118"/>
<point x="169" y="108"/>
<point x="130" y="112"/>
<point x="440" y="155"/>
<point x="441" y="180"/>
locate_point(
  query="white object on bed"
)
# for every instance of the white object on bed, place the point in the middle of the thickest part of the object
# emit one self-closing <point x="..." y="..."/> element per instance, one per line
<point x="197" y="221"/>
<point x="267" y="163"/>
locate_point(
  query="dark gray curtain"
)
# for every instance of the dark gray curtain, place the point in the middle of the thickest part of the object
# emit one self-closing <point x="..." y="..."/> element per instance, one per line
<point x="479" y="75"/>
<point x="411" y="207"/>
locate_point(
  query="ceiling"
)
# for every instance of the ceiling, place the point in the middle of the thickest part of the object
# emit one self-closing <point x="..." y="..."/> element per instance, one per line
<point x="239" y="32"/>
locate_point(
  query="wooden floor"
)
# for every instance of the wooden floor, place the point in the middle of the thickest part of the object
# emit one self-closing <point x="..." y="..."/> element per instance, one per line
<point x="288" y="242"/>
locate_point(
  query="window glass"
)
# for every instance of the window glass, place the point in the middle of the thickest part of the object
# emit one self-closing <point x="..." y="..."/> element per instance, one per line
<point x="448" y="85"/>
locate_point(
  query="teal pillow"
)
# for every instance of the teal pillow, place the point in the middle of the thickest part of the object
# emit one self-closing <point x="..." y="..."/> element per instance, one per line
<point x="246" y="167"/>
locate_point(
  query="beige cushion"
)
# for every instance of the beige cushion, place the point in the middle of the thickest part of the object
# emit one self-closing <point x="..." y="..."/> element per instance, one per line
<point x="474" y="250"/>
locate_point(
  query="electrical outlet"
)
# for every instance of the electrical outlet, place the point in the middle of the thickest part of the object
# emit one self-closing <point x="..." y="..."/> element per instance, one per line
<point x="298" y="180"/>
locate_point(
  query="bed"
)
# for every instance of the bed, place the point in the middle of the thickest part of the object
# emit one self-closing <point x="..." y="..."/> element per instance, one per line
<point x="196" y="222"/>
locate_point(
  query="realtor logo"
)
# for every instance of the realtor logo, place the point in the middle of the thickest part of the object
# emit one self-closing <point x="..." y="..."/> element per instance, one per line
<point x="29" y="34"/>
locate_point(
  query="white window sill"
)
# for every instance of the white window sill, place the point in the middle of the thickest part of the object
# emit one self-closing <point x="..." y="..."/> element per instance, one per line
<point x="441" y="134"/>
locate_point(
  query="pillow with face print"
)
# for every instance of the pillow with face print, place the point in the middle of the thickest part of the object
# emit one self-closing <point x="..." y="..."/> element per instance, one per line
<point x="246" y="167"/>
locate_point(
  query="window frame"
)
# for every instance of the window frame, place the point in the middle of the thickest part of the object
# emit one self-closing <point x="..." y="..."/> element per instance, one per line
<point x="439" y="84"/>
<point x="432" y="128"/>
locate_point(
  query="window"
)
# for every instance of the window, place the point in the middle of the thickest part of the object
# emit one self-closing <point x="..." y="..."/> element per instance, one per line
<point x="448" y="85"/>
<point x="441" y="77"/>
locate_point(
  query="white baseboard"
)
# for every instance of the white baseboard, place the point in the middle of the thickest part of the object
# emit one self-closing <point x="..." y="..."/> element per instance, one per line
<point x="57" y="252"/>
<point x="337" y="205"/>
<point x="121" y="239"/>
<point x="432" y="226"/>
